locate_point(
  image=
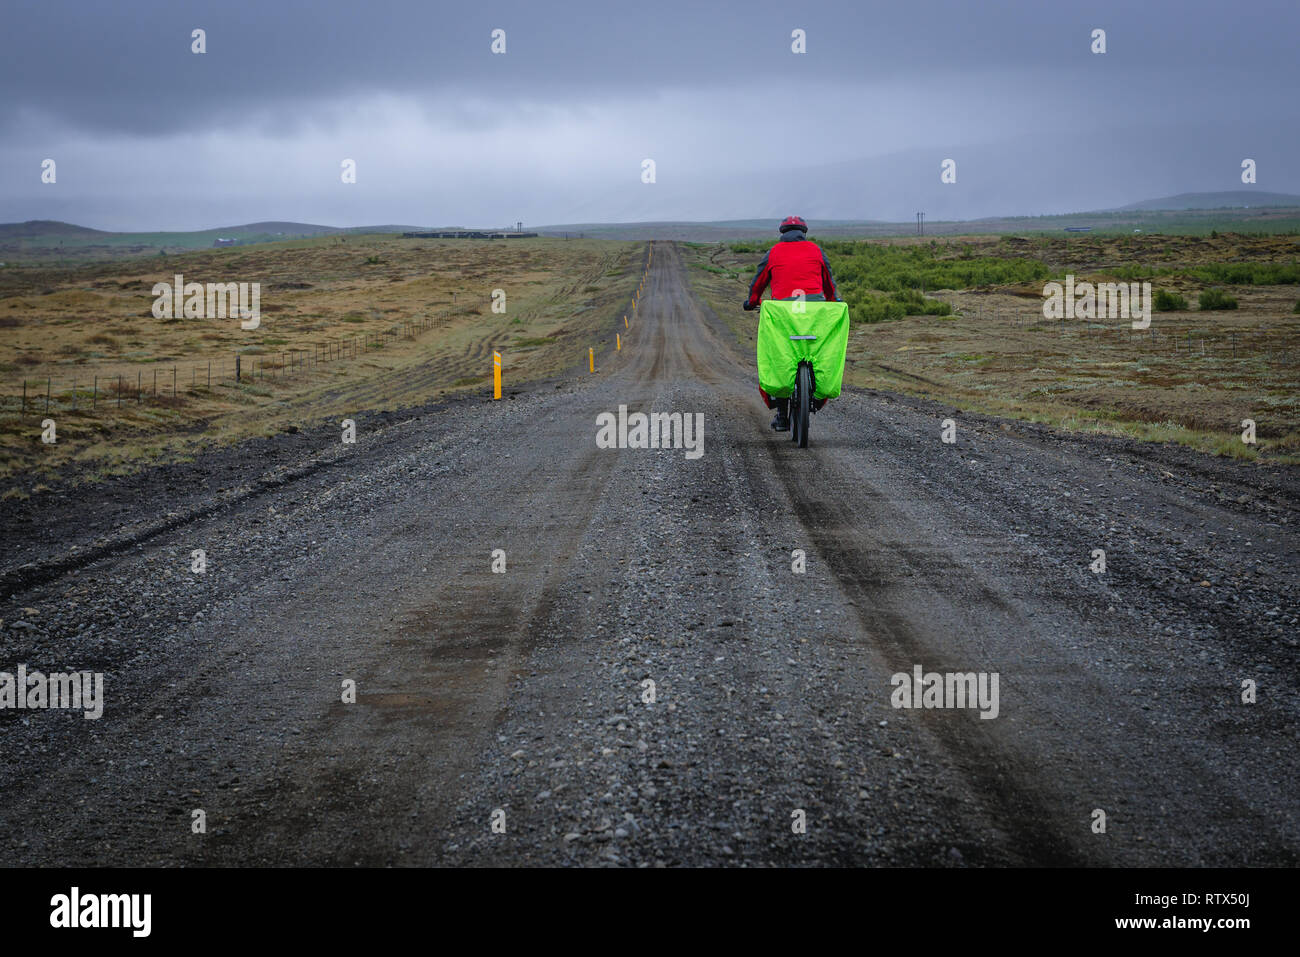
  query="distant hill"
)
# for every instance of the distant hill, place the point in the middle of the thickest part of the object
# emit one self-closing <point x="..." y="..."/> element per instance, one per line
<point x="289" y="229"/>
<point x="716" y="231"/>
<point x="1231" y="199"/>
<point x="46" y="229"/>
<point x="1188" y="221"/>
<point x="309" y="229"/>
<point x="46" y="240"/>
<point x="1185" y="214"/>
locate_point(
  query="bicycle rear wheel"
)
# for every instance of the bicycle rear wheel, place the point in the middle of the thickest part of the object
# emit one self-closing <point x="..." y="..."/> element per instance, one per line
<point x="802" y="403"/>
<point x="792" y="404"/>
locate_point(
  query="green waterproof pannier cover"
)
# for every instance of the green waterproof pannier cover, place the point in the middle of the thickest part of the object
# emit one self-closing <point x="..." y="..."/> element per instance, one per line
<point x="779" y="356"/>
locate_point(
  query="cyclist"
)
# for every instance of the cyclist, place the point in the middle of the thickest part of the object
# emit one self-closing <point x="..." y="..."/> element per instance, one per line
<point x="793" y="266"/>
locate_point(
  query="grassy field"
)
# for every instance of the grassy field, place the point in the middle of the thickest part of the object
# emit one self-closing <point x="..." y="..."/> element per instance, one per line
<point x="373" y="322"/>
<point x="348" y="323"/>
<point x="1191" y="378"/>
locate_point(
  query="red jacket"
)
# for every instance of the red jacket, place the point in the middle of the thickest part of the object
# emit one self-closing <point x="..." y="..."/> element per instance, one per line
<point x="793" y="264"/>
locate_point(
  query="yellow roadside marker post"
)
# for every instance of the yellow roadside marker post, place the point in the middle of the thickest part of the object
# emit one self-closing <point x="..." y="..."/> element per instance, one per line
<point x="496" y="375"/>
<point x="625" y="325"/>
<point x="591" y="358"/>
<point x="618" y="342"/>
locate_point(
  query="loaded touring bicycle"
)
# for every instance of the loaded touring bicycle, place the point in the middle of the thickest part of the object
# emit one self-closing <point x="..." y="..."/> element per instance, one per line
<point x="801" y="349"/>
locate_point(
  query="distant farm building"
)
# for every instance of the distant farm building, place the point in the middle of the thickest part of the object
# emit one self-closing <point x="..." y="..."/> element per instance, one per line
<point x="1078" y="229"/>
<point x="223" y="242"/>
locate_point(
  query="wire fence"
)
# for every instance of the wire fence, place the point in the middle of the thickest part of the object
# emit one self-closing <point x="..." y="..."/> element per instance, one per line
<point x="91" y="391"/>
<point x="1262" y="342"/>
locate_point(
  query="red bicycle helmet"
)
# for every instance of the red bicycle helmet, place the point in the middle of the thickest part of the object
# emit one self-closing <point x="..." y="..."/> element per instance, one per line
<point x="793" y="222"/>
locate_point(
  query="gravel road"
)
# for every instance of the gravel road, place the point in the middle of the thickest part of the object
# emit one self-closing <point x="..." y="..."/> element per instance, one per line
<point x="520" y="697"/>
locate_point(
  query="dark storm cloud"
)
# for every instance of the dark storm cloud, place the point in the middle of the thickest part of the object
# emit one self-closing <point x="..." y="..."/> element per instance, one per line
<point x="257" y="125"/>
<point x="128" y="67"/>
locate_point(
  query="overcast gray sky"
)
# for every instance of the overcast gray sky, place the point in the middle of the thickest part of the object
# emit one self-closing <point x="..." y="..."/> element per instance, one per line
<point x="148" y="135"/>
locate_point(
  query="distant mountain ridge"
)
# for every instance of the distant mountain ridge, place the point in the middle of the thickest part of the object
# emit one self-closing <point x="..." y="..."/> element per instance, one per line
<point x="53" y="229"/>
<point x="52" y="233"/>
<point x="1233" y="199"/>
<point x="46" y="228"/>
<point x="1230" y="199"/>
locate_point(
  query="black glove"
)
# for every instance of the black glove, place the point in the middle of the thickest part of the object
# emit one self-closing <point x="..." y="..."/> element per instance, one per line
<point x="747" y="306"/>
